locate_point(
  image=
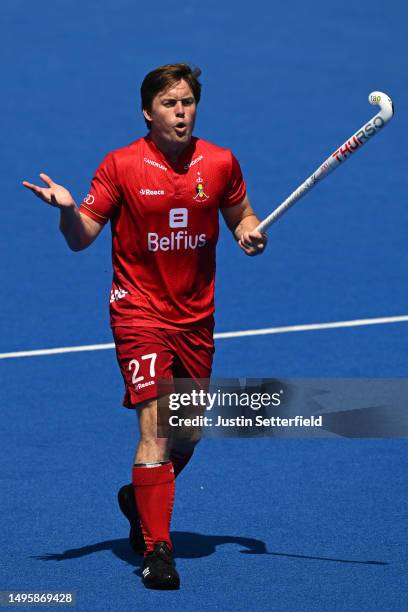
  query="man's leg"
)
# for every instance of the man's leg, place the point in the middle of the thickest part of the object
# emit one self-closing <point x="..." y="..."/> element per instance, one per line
<point x="153" y="478"/>
<point x="180" y="454"/>
<point x="193" y="361"/>
<point x="153" y="482"/>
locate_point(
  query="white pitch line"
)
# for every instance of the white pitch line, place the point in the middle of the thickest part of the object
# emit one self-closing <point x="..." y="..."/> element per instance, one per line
<point x="219" y="336"/>
<point x="57" y="351"/>
<point x="311" y="327"/>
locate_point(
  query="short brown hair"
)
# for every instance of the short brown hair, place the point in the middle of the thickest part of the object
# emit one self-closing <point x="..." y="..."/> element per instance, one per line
<point x="164" y="77"/>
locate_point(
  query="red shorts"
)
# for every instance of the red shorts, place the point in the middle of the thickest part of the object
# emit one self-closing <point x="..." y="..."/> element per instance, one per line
<point x="148" y="355"/>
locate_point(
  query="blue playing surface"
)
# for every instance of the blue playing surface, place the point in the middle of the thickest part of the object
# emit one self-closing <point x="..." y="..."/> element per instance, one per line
<point x="259" y="524"/>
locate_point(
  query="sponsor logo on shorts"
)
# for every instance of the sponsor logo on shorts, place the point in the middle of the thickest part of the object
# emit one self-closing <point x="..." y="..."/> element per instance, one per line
<point x="89" y="199"/>
<point x="117" y="294"/>
<point x="143" y="385"/>
<point x="194" y="162"/>
<point x="151" y="192"/>
<point x="154" y="163"/>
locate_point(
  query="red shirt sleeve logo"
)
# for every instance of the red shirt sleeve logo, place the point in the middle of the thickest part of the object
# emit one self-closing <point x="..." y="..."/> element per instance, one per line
<point x="89" y="199"/>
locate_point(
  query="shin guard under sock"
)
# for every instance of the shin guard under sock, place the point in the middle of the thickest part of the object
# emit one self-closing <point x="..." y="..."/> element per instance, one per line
<point x="154" y="493"/>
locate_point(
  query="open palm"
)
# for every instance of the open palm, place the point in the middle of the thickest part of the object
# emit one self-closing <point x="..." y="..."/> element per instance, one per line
<point x="55" y="195"/>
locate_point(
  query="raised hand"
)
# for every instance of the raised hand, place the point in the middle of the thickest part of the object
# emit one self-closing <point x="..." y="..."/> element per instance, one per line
<point x="54" y="195"/>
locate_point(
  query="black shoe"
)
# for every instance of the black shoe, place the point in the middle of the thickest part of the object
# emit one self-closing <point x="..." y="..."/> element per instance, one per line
<point x="159" y="570"/>
<point x="127" y="504"/>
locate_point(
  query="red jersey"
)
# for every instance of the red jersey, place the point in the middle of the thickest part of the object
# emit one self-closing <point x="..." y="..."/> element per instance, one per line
<point x="164" y="221"/>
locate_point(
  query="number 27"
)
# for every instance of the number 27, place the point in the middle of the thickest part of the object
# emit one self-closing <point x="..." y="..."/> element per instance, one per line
<point x="136" y="366"/>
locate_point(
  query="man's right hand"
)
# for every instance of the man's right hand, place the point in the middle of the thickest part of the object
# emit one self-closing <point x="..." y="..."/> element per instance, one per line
<point x="54" y="195"/>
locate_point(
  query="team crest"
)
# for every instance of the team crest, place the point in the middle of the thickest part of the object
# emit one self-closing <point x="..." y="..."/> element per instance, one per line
<point x="200" y="184"/>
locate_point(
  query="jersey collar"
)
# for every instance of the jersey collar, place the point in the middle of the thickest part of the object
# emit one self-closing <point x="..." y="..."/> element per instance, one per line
<point x="182" y="161"/>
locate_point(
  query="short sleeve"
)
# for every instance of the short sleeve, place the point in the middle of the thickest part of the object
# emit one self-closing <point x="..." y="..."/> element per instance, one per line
<point x="236" y="189"/>
<point x="104" y="198"/>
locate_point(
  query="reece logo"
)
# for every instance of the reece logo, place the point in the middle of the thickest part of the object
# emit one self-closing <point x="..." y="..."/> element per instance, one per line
<point x="151" y="192"/>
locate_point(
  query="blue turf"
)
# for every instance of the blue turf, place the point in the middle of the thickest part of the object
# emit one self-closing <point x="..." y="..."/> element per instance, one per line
<point x="283" y="86"/>
<point x="290" y="522"/>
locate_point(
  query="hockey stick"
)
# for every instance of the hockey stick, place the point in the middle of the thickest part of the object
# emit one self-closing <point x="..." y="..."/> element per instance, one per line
<point x="340" y="155"/>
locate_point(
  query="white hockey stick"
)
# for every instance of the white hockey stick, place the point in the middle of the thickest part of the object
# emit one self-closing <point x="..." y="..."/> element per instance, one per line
<point x="340" y="155"/>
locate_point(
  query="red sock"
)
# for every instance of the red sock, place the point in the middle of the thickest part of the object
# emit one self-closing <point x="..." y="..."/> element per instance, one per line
<point x="179" y="461"/>
<point x="154" y="494"/>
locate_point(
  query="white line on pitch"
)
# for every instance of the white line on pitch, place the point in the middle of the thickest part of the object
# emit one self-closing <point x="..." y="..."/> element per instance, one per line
<point x="310" y="327"/>
<point x="58" y="351"/>
<point x="220" y="335"/>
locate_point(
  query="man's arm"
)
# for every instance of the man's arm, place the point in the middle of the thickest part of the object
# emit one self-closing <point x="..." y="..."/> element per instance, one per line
<point x="242" y="221"/>
<point x="79" y="230"/>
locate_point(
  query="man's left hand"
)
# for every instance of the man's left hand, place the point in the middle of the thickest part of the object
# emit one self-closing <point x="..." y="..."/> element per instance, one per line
<point x="253" y="243"/>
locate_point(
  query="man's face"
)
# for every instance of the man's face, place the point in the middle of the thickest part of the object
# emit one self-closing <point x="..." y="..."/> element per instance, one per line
<point x="173" y="115"/>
